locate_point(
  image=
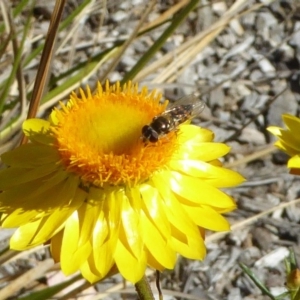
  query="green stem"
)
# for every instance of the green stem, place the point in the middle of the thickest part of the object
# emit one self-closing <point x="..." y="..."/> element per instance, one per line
<point x="143" y="289"/>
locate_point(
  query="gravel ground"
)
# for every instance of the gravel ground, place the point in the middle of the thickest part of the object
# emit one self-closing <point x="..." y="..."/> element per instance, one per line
<point x="248" y="76"/>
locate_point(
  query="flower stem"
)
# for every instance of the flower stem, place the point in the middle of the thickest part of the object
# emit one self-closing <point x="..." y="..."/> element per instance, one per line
<point x="143" y="289"/>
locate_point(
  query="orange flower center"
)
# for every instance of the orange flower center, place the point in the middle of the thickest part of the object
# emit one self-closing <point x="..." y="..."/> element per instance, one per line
<point x="99" y="136"/>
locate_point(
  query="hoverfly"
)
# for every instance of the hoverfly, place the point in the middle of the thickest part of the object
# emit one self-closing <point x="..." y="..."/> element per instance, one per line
<point x="179" y="112"/>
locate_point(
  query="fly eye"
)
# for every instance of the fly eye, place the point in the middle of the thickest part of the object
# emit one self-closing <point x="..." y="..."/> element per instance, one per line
<point x="149" y="134"/>
<point x="154" y="137"/>
<point x="146" y="129"/>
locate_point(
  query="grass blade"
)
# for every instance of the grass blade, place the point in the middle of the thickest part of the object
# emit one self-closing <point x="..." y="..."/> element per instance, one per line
<point x="256" y="281"/>
<point x="160" y="42"/>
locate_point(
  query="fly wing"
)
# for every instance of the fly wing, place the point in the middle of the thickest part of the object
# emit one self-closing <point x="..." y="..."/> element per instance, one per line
<point x="190" y="103"/>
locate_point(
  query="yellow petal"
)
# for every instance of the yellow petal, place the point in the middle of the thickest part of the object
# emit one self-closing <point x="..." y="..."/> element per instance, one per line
<point x="175" y="212"/>
<point x="106" y="233"/>
<point x="202" y="151"/>
<point x="154" y="209"/>
<point x="88" y="274"/>
<point x="215" y="176"/>
<point x="275" y="130"/>
<point x="156" y="244"/>
<point x="35" y="233"/>
<point x="11" y="177"/>
<point x="28" y="156"/>
<point x="55" y="246"/>
<point x="104" y="256"/>
<point x="40" y="231"/>
<point x="56" y="192"/>
<point x="207" y="217"/>
<point x="130" y="232"/>
<point x="282" y="145"/>
<point x="292" y="123"/>
<point x="185" y="238"/>
<point x="153" y="263"/>
<point x="88" y="214"/>
<point x="196" y="190"/>
<point x="294" y="162"/>
<point x="37" y="131"/>
<point x="186" y="245"/>
<point x="288" y="137"/>
<point x="35" y="125"/>
<point x="131" y="267"/>
<point x="194" y="133"/>
<point x="20" y="217"/>
<point x="72" y="257"/>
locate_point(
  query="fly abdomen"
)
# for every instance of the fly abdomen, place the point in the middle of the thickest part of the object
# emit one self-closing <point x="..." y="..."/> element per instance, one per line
<point x="181" y="114"/>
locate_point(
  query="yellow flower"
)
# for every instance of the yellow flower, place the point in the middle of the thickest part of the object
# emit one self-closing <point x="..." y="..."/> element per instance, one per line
<point x="289" y="141"/>
<point x="107" y="200"/>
